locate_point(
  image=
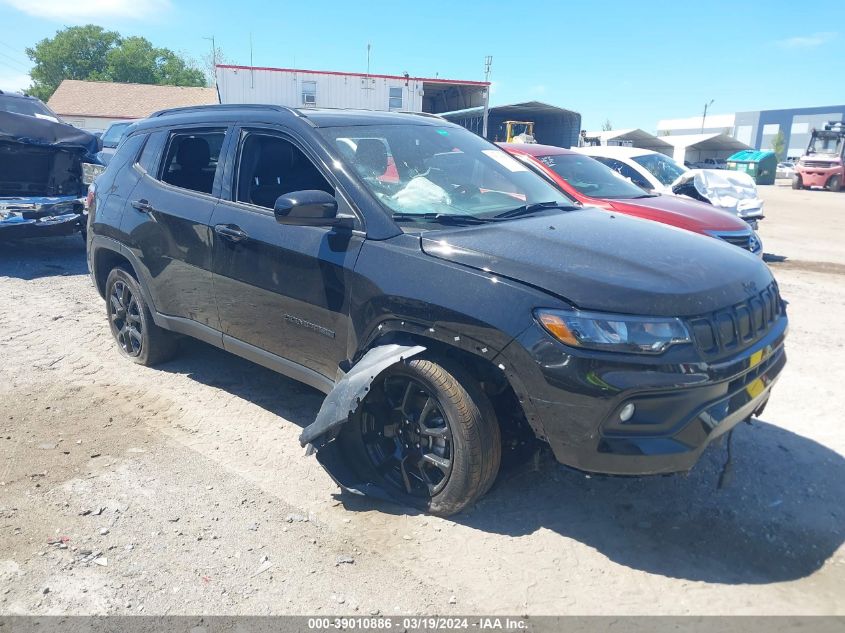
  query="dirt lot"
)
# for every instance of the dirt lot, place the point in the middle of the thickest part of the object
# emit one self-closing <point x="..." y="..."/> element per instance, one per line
<point x="183" y="489"/>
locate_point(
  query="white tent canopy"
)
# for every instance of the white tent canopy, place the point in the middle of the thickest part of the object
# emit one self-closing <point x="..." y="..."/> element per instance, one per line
<point x="696" y="147"/>
<point x="634" y="137"/>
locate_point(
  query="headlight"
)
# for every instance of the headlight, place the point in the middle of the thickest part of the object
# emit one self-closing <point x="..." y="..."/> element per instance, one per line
<point x="90" y="171"/>
<point x="613" y="332"/>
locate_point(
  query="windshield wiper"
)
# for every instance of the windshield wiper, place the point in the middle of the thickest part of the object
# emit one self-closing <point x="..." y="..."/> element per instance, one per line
<point x="441" y="218"/>
<point x="528" y="209"/>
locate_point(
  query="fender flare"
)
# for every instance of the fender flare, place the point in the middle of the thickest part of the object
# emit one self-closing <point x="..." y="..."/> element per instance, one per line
<point x="102" y="243"/>
<point x="350" y="390"/>
<point x="321" y="436"/>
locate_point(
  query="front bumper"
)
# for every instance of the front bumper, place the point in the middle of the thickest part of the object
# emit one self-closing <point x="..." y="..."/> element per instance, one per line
<point x="681" y="402"/>
<point x="817" y="176"/>
<point x="22" y="218"/>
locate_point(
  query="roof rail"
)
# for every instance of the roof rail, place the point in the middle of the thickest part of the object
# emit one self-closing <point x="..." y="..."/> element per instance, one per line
<point x="223" y="106"/>
<point x="428" y="115"/>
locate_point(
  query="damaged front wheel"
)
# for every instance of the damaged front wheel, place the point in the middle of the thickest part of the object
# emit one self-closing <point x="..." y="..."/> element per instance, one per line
<point x="431" y="440"/>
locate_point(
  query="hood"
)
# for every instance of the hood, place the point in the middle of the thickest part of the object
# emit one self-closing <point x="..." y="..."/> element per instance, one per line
<point x="682" y="212"/>
<point x="29" y="130"/>
<point x="731" y="190"/>
<point x="601" y="261"/>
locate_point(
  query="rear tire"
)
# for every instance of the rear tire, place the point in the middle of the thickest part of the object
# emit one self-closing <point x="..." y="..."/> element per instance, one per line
<point x="835" y="183"/>
<point x="429" y="439"/>
<point x="131" y="323"/>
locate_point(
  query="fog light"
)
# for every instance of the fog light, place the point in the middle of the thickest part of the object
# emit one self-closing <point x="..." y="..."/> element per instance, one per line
<point x="627" y="412"/>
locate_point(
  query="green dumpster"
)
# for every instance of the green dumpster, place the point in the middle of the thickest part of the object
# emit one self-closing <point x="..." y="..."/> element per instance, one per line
<point x="761" y="166"/>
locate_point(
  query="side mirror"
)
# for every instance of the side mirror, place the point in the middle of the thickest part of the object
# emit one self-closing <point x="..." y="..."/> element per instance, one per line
<point x="311" y="207"/>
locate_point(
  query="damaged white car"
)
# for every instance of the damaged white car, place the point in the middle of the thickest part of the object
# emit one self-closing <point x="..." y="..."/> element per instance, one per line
<point x="655" y="172"/>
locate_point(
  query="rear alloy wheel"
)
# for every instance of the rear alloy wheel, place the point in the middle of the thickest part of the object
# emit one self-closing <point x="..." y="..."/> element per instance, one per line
<point x="835" y="183"/>
<point x="421" y="435"/>
<point x="131" y="323"/>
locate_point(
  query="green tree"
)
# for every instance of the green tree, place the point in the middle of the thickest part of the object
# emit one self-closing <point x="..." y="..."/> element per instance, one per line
<point x="78" y="52"/>
<point x="89" y="52"/>
<point x="779" y="144"/>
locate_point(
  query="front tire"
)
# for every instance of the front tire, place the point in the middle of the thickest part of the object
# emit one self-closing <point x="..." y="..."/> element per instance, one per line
<point x="835" y="183"/>
<point x="131" y="323"/>
<point x="797" y="183"/>
<point x="427" y="437"/>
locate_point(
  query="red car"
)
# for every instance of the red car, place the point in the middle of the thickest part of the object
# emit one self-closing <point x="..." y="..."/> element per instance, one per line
<point x="593" y="184"/>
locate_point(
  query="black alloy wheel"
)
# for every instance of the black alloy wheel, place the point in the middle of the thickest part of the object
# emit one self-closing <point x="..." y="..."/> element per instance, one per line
<point x="125" y="314"/>
<point x="407" y="437"/>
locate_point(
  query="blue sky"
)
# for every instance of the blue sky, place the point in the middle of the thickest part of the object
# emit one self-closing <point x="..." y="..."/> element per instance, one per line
<point x="630" y="62"/>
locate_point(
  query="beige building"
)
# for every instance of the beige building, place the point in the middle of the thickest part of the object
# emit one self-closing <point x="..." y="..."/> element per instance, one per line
<point x="94" y="105"/>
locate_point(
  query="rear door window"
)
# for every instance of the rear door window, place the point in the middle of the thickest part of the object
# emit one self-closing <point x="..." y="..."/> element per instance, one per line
<point x="191" y="159"/>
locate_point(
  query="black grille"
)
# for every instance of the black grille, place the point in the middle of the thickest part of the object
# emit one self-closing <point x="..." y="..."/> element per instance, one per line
<point x="733" y="329"/>
<point x="743" y="241"/>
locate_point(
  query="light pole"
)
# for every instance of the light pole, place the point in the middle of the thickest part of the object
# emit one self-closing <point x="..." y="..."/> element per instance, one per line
<point x="488" y="62"/>
<point x="704" y="116"/>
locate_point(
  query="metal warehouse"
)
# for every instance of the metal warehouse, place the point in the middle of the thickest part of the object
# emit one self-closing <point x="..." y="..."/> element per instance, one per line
<point x="299" y="88"/>
<point x="552" y="125"/>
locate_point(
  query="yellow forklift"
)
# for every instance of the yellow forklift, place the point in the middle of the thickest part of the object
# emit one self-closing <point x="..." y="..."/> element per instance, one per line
<point x="519" y="131"/>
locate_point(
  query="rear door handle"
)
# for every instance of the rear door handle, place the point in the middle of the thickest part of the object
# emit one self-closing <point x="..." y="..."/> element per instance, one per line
<point x="230" y="232"/>
<point x="143" y="206"/>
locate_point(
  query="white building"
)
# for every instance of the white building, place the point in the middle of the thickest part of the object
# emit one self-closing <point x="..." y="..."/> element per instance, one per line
<point x="299" y="88"/>
<point x="713" y="124"/>
<point x="760" y="129"/>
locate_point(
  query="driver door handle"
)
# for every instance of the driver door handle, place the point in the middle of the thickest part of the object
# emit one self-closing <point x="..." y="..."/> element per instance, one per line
<point x="143" y="206"/>
<point x="230" y="232"/>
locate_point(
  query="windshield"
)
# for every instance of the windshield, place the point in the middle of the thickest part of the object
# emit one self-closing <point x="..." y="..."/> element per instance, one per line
<point x="113" y="135"/>
<point x="825" y="144"/>
<point x="590" y="177"/>
<point x="422" y="171"/>
<point x="30" y="107"/>
<point x="661" y="167"/>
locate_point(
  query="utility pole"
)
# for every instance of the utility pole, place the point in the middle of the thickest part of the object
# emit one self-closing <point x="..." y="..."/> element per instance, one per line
<point x="488" y="63"/>
<point x="213" y="57"/>
<point x="251" y="65"/>
<point x="704" y="116"/>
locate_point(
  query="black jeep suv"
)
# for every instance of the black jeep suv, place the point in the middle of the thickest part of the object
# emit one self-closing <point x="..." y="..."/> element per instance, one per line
<point x="446" y="299"/>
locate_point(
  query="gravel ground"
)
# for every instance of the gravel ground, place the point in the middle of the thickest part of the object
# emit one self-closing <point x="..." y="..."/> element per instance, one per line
<point x="183" y="489"/>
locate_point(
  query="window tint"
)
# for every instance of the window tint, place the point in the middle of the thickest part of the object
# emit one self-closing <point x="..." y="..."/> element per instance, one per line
<point x="590" y="177"/>
<point x="626" y="171"/>
<point x="112" y="136"/>
<point x="661" y="167"/>
<point x="30" y="107"/>
<point x="191" y="159"/>
<point x="270" y="166"/>
<point x="634" y="176"/>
